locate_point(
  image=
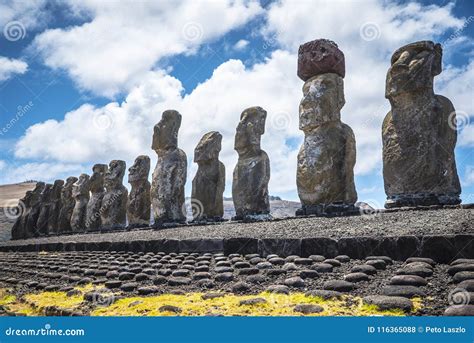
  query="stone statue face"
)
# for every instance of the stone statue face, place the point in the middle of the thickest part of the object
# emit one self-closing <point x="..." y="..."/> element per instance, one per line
<point x="97" y="179"/>
<point x="165" y="134"/>
<point x="47" y="191"/>
<point x="209" y="147"/>
<point x="413" y="67"/>
<point x="140" y="169"/>
<point x="57" y="188"/>
<point x="250" y="128"/>
<point x="115" y="173"/>
<point x="36" y="194"/>
<point x="27" y="198"/>
<point x="323" y="98"/>
<point x="81" y="187"/>
<point x="67" y="189"/>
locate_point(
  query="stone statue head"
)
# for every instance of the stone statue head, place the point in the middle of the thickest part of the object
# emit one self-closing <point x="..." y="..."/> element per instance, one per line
<point x="39" y="187"/>
<point x="208" y="147"/>
<point x="66" y="192"/>
<point x="57" y="188"/>
<point x="250" y="128"/>
<point x="26" y="200"/>
<point x="140" y="169"/>
<point x="37" y="192"/>
<point x="81" y="186"/>
<point x="413" y="67"/>
<point x="96" y="181"/>
<point x="323" y="99"/>
<point x="165" y="134"/>
<point x="115" y="173"/>
<point x="46" y="193"/>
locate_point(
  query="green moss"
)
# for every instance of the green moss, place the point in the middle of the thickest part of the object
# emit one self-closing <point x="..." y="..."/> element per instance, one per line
<point x="192" y="304"/>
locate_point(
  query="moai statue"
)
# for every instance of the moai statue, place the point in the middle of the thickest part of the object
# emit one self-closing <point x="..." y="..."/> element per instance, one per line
<point x="67" y="206"/>
<point x="419" y="133"/>
<point x="207" y="201"/>
<point x="96" y="185"/>
<point x="139" y="203"/>
<point x="252" y="172"/>
<point x="169" y="177"/>
<point x="113" y="211"/>
<point x="18" y="229"/>
<point x="42" y="223"/>
<point x="55" y="208"/>
<point x="325" y="170"/>
<point x="80" y="193"/>
<point x="34" y="211"/>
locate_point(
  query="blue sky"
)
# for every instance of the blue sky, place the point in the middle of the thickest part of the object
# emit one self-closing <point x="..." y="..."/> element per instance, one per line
<point x="84" y="83"/>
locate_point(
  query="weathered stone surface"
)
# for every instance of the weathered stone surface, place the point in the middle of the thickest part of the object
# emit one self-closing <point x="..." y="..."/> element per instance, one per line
<point x="19" y="227"/>
<point x="327" y="247"/>
<point x="325" y="176"/>
<point x="418" y="134"/>
<point x="67" y="206"/>
<point x="209" y="183"/>
<point x="80" y="193"/>
<point x="324" y="294"/>
<point x="439" y="248"/>
<point x="55" y="207"/>
<point x="139" y="203"/>
<point x="281" y="247"/>
<point x="464" y="310"/>
<point x="252" y="172"/>
<point x="34" y="210"/>
<point x="320" y="56"/>
<point x="339" y="285"/>
<point x="308" y="308"/>
<point x="389" y="303"/>
<point x="113" y="210"/>
<point x="278" y="289"/>
<point x="356" y="277"/>
<point x="96" y="184"/>
<point x="403" y="291"/>
<point x="169" y="177"/>
<point x="42" y="223"/>
<point x="408" y="280"/>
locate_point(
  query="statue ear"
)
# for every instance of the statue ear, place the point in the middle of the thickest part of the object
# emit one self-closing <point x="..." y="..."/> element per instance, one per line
<point x="437" y="63"/>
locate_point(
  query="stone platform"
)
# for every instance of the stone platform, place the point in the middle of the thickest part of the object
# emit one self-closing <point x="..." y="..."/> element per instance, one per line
<point x="441" y="234"/>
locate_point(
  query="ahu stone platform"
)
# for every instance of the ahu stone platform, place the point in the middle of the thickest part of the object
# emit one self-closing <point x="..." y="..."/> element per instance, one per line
<point x="441" y="234"/>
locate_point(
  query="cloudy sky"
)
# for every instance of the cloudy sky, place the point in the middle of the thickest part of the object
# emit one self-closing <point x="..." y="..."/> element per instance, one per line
<point x="84" y="82"/>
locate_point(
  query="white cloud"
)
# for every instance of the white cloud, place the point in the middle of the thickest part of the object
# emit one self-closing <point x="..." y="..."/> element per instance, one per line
<point x="31" y="14"/>
<point x="468" y="178"/>
<point x="2" y="164"/>
<point x="39" y="171"/>
<point x="241" y="44"/>
<point x="116" y="48"/>
<point x="10" y="66"/>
